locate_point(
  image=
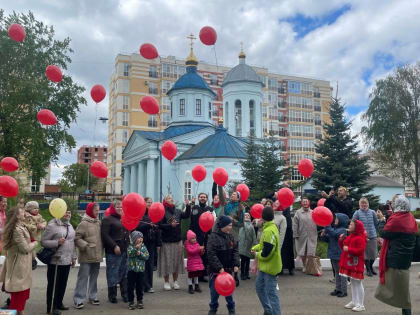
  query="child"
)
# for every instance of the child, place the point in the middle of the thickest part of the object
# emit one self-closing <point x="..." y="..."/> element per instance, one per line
<point x="195" y="265"/>
<point x="222" y="253"/>
<point x="35" y="224"/>
<point x="352" y="262"/>
<point x="137" y="256"/>
<point x="247" y="239"/>
<point x="332" y="233"/>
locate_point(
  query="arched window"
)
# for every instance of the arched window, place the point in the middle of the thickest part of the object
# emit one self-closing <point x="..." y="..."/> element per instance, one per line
<point x="226" y="112"/>
<point x="238" y="118"/>
<point x="252" y="117"/>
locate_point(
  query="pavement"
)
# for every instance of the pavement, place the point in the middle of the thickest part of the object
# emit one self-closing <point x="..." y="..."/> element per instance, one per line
<point x="299" y="295"/>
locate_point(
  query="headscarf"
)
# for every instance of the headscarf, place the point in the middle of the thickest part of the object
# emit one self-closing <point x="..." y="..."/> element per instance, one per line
<point x="89" y="210"/>
<point x="166" y="204"/>
<point x="401" y="204"/>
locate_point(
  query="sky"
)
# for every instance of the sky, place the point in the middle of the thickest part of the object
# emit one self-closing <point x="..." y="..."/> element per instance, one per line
<point x="350" y="43"/>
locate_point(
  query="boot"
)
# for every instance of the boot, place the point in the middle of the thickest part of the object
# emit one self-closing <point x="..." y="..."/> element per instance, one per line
<point x="190" y="289"/>
<point x="406" y="311"/>
<point x="368" y="271"/>
<point x="112" y="294"/>
<point x="197" y="288"/>
<point x="371" y="267"/>
<point x="124" y="290"/>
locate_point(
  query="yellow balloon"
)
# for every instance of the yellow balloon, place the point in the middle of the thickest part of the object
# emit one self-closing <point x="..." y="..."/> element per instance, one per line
<point x="58" y="208"/>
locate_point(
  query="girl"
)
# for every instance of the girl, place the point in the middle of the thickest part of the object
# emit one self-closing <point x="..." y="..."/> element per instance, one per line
<point x="352" y="262"/>
<point x="195" y="265"/>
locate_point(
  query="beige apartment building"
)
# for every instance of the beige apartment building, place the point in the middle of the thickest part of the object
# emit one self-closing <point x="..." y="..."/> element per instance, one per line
<point x="294" y="107"/>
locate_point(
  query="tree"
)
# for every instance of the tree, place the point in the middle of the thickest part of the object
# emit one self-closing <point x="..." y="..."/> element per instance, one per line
<point x="25" y="89"/>
<point x="393" y="122"/>
<point x="340" y="162"/>
<point x="75" y="178"/>
<point x="250" y="166"/>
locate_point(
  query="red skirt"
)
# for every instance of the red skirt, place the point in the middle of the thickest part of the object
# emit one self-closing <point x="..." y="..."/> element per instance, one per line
<point x="18" y="300"/>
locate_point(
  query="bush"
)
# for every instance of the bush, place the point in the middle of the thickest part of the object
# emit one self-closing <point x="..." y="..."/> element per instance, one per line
<point x="321" y="249"/>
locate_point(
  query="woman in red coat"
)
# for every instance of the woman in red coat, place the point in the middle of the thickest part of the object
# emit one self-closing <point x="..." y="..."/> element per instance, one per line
<point x="352" y="262"/>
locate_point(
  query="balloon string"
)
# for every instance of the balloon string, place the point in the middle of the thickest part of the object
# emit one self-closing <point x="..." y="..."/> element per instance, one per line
<point x="94" y="124"/>
<point x="215" y="57"/>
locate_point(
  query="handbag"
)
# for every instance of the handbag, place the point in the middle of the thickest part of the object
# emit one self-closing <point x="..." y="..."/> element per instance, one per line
<point x="313" y="266"/>
<point x="254" y="266"/>
<point x="45" y="254"/>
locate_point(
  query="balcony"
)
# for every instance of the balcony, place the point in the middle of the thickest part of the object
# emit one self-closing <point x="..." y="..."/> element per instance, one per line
<point x="317" y="108"/>
<point x="153" y="74"/>
<point x="318" y="122"/>
<point x="153" y="91"/>
<point x="318" y="136"/>
<point x="283" y="119"/>
<point x="283" y="133"/>
<point x="317" y="94"/>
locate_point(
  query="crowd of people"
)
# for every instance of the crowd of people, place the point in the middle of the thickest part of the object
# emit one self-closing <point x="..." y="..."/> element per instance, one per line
<point x="236" y="243"/>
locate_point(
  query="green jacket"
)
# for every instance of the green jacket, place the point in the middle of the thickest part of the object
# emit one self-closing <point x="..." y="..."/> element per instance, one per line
<point x="269" y="262"/>
<point x="137" y="258"/>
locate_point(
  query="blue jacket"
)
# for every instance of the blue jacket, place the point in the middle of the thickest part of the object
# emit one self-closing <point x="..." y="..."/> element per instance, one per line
<point x="333" y="232"/>
<point x="369" y="220"/>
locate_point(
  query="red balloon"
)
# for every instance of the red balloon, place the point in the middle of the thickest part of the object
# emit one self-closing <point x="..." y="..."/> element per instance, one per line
<point x="98" y="93"/>
<point x="286" y="197"/>
<point x="169" y="150"/>
<point x="149" y="105"/>
<point x="321" y="202"/>
<point x="322" y="216"/>
<point x="220" y="176"/>
<point x="243" y="190"/>
<point x="46" y="117"/>
<point x="199" y="173"/>
<point x="208" y="35"/>
<point x="9" y="164"/>
<point x="256" y="211"/>
<point x="8" y="186"/>
<point x="156" y="212"/>
<point x="54" y="73"/>
<point x="128" y="223"/>
<point x="17" y="32"/>
<point x="306" y="167"/>
<point x="225" y="284"/>
<point x="206" y="221"/>
<point x="99" y="169"/>
<point x="107" y="212"/>
<point x="148" y="51"/>
<point x="133" y="206"/>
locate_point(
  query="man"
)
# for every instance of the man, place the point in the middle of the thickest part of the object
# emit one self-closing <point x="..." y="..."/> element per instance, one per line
<point x="340" y="204"/>
<point x="267" y="252"/>
<point x="223" y="256"/>
<point x="196" y="212"/>
<point x="304" y="232"/>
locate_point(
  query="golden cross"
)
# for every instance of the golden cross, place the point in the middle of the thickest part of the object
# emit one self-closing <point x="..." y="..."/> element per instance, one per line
<point x="242" y="46"/>
<point x="192" y="38"/>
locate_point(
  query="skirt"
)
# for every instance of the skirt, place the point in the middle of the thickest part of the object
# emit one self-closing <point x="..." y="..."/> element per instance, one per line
<point x="371" y="251"/>
<point x="396" y="290"/>
<point x="171" y="259"/>
<point x="18" y="300"/>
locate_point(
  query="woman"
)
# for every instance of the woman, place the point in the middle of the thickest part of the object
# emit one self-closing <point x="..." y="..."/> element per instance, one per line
<point x="59" y="235"/>
<point x="88" y="241"/>
<point x="152" y="241"/>
<point x="171" y="256"/>
<point x="287" y="254"/>
<point x="399" y="234"/>
<point x="17" y="269"/>
<point x="115" y="239"/>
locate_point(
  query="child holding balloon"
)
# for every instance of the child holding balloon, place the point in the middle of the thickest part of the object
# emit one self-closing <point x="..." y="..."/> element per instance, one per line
<point x="195" y="265"/>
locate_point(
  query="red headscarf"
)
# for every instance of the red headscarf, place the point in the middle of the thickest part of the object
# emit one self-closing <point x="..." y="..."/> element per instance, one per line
<point x="112" y="210"/>
<point x="398" y="222"/>
<point x="166" y="204"/>
<point x="89" y="210"/>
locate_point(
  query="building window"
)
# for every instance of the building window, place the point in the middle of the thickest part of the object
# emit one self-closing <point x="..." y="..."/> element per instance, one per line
<point x="86" y="161"/>
<point x="187" y="190"/>
<point x="125" y="119"/>
<point x="166" y="86"/>
<point x="273" y="99"/>
<point x="182" y="107"/>
<point x="293" y="87"/>
<point x="307" y="88"/>
<point x="198" y="107"/>
<point x="210" y="113"/>
<point x="35" y="185"/>
<point x="317" y="105"/>
<point x="126" y="101"/>
<point x="252" y="117"/>
<point x="316" y="92"/>
<point x="165" y="103"/>
<point x="307" y="103"/>
<point x="238" y="118"/>
<point x="273" y="113"/>
<point x="318" y="134"/>
<point x="153" y="71"/>
<point x="296" y="175"/>
<point x="124" y="136"/>
<point x="152" y="121"/>
<point x="126" y="69"/>
<point x="153" y="88"/>
<point x="317" y="119"/>
<point x="165" y="119"/>
<point x="272" y="84"/>
<point x="213" y="79"/>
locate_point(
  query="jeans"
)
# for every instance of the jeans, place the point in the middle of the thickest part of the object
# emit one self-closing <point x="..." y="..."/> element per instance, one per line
<point x="214" y="297"/>
<point x="135" y="282"/>
<point x="116" y="268"/>
<point x="245" y="265"/>
<point x="86" y="283"/>
<point x="340" y="281"/>
<point x="60" y="284"/>
<point x="267" y="293"/>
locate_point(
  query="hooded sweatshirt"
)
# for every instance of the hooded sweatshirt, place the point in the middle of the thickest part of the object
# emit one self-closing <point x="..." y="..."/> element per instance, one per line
<point x="333" y="233"/>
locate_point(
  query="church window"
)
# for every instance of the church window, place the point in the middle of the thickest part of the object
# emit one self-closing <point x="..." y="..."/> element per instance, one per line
<point x="171" y="110"/>
<point x="182" y="107"/>
<point x="226" y="111"/>
<point x="210" y="114"/>
<point x="238" y="118"/>
<point x="187" y="190"/>
<point x="252" y="117"/>
<point x="198" y="107"/>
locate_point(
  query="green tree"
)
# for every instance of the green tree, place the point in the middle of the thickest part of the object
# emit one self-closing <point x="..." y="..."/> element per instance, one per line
<point x="393" y="122"/>
<point x="24" y="90"/>
<point x="75" y="178"/>
<point x="340" y="162"/>
<point x="250" y="166"/>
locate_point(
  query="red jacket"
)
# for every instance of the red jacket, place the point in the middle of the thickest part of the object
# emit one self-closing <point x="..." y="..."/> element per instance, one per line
<point x="194" y="262"/>
<point x="352" y="262"/>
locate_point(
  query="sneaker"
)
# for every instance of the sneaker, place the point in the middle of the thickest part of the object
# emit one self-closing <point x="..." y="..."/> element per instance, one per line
<point x="140" y="305"/>
<point x="131" y="306"/>
<point x="176" y="285"/>
<point x="349" y="305"/>
<point x="167" y="286"/>
<point x="277" y="287"/>
<point x="358" y="308"/>
<point x="79" y="306"/>
<point x="150" y="290"/>
<point x="94" y="302"/>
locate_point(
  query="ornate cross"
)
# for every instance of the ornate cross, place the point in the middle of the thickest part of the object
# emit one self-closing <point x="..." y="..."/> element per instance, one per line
<point x="192" y="38"/>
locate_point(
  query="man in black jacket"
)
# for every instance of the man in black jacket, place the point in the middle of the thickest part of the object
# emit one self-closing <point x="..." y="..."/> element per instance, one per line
<point x="223" y="256"/>
<point x="340" y="204"/>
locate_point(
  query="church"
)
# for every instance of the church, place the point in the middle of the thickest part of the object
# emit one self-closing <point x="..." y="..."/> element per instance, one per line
<point x="198" y="141"/>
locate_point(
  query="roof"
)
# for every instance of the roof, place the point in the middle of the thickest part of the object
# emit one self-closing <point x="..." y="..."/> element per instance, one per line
<point x="219" y="145"/>
<point x="242" y="73"/>
<point x="170" y="132"/>
<point x="191" y="80"/>
<point x="383" y="181"/>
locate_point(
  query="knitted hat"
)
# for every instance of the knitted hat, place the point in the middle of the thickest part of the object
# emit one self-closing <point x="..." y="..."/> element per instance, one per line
<point x="31" y="205"/>
<point x="224" y="220"/>
<point x="135" y="235"/>
<point x="190" y="235"/>
<point x="401" y="204"/>
<point x="89" y="209"/>
<point x="268" y="214"/>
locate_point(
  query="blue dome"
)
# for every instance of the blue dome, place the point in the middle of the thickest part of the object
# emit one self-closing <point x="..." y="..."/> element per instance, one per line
<point x="191" y="80"/>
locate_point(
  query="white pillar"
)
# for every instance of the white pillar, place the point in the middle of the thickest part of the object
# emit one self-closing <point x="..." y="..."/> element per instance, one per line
<point x="140" y="176"/>
<point x="133" y="178"/>
<point x="126" y="188"/>
<point x="150" y="179"/>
